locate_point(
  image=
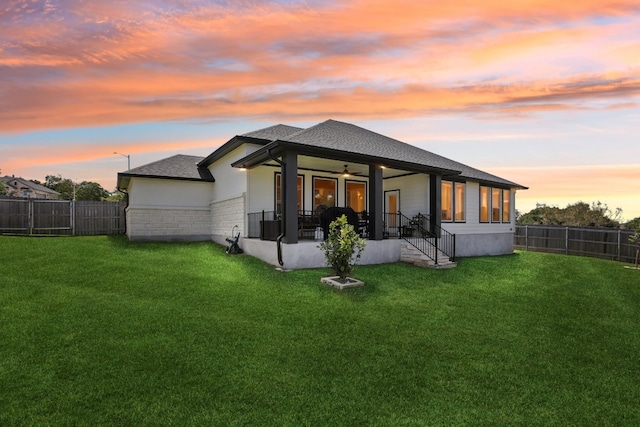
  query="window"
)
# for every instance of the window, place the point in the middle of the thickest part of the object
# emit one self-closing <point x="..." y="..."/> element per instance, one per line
<point x="484" y="204"/>
<point x="324" y="192"/>
<point x="453" y="201"/>
<point x="279" y="193"/>
<point x="447" y="201"/>
<point x="506" y="205"/>
<point x="495" y="204"/>
<point x="356" y="195"/>
<point x="459" y="204"/>
<point x="500" y="202"/>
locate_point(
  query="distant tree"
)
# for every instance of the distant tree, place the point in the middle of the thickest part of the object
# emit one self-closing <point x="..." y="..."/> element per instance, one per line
<point x="541" y="215"/>
<point x="634" y="224"/>
<point x="3" y="188"/>
<point x="50" y="181"/>
<point x="116" y="196"/>
<point x="578" y="214"/>
<point x="64" y="186"/>
<point x="88" y="190"/>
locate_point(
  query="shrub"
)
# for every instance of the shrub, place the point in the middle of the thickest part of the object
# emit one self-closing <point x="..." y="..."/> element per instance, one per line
<point x="343" y="247"/>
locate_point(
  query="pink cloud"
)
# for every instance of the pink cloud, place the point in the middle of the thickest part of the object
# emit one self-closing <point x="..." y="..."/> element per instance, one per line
<point x="100" y="63"/>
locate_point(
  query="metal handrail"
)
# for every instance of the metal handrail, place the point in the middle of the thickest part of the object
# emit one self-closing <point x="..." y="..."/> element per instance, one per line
<point x="424" y="234"/>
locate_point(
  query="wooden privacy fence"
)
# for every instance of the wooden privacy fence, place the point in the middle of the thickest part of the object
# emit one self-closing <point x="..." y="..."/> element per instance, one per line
<point x="605" y="243"/>
<point x="61" y="217"/>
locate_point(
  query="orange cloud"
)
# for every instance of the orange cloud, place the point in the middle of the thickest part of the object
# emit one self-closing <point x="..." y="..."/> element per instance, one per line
<point x="121" y="62"/>
<point x="14" y="158"/>
<point x="616" y="185"/>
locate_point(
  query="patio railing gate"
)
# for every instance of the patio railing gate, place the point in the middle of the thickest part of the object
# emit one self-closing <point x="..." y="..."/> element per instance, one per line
<point x="428" y="237"/>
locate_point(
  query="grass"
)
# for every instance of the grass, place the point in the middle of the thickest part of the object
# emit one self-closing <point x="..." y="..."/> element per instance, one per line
<point x="101" y="331"/>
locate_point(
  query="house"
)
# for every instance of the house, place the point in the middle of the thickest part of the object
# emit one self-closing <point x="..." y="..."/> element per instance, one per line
<point x="276" y="182"/>
<point x="20" y="187"/>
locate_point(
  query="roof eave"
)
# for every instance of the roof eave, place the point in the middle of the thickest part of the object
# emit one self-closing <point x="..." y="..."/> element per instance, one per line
<point x="229" y="146"/>
<point x="124" y="178"/>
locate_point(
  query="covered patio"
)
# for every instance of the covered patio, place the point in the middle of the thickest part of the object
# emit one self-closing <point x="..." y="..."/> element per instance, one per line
<point x="335" y="148"/>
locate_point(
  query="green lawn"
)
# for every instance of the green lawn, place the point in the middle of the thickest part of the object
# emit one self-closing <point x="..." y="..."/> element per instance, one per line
<point x="100" y="331"/>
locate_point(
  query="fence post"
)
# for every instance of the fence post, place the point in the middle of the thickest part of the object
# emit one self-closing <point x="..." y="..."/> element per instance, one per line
<point x="72" y="204"/>
<point x="31" y="215"/>
<point x="619" y="244"/>
<point x="566" y="241"/>
<point x="526" y="237"/>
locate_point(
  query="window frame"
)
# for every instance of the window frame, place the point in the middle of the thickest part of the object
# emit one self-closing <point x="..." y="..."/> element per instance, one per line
<point x="488" y="204"/>
<point x="496" y="204"/>
<point x="455" y="202"/>
<point x="503" y="204"/>
<point x="313" y="189"/>
<point x="506" y="203"/>
<point x="276" y="193"/>
<point x="450" y="208"/>
<point x="346" y="201"/>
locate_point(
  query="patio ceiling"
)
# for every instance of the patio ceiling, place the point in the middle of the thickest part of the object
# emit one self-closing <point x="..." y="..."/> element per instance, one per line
<point x="329" y="166"/>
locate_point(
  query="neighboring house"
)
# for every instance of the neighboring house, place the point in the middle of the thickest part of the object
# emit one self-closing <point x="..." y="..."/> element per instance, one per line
<point x="276" y="181"/>
<point x="20" y="187"/>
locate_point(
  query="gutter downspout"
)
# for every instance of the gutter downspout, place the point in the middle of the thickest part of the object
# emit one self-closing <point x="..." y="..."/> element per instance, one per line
<point x="126" y="206"/>
<point x="282" y="235"/>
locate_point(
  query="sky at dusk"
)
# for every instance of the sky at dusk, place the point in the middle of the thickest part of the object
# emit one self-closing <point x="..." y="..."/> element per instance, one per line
<point x="544" y="93"/>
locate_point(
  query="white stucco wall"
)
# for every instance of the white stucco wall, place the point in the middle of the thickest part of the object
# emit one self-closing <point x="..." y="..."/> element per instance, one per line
<point x="228" y="200"/>
<point x="261" y="188"/>
<point x="414" y="192"/>
<point x="163" y="209"/>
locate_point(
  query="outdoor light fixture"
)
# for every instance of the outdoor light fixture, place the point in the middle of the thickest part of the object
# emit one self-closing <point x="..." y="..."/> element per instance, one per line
<point x="128" y="159"/>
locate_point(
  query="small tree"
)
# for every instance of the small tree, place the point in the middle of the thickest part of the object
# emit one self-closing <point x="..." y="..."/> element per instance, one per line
<point x="343" y="247"/>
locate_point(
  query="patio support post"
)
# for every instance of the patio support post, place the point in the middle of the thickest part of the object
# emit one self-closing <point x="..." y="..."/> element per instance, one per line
<point x="289" y="196"/>
<point x="435" y="203"/>
<point x="376" y="203"/>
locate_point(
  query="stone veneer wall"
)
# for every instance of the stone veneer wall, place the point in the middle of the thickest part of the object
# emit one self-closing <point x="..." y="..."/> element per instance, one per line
<point x="164" y="223"/>
<point x="226" y="214"/>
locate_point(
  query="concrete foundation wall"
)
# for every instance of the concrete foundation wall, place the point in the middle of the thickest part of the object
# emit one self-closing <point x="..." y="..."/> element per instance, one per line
<point x="168" y="224"/>
<point x="306" y="254"/>
<point x="484" y="244"/>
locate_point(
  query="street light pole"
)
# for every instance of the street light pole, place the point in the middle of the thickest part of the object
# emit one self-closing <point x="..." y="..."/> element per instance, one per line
<point x="128" y="156"/>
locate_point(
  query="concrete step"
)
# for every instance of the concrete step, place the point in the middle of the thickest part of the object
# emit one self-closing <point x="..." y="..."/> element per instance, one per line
<point x="410" y="254"/>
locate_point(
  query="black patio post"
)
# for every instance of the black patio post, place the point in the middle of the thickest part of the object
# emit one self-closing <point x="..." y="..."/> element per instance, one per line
<point x="289" y="196"/>
<point x="376" y="203"/>
<point x="435" y="202"/>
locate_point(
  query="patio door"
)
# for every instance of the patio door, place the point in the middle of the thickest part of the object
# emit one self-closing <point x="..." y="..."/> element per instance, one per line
<point x="391" y="209"/>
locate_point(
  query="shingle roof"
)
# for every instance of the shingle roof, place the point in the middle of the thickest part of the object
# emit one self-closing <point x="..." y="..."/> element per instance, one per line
<point x="349" y="138"/>
<point x="273" y="132"/>
<point x="259" y="137"/>
<point x="329" y="135"/>
<point x="7" y="179"/>
<point x="180" y="167"/>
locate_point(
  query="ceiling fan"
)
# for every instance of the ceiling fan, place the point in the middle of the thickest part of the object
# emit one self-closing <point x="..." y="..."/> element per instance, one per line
<point x="346" y="172"/>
